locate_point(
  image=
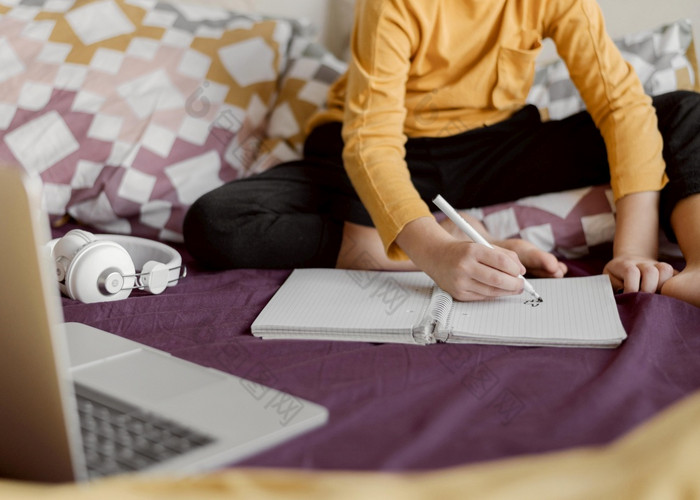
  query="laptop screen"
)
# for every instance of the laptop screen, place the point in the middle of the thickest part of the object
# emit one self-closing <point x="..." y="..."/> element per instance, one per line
<point x="33" y="423"/>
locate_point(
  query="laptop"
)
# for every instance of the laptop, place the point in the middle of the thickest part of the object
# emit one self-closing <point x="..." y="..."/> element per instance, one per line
<point x="80" y="403"/>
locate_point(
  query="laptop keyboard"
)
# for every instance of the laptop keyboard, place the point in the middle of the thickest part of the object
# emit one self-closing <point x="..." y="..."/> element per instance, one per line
<point x="119" y="438"/>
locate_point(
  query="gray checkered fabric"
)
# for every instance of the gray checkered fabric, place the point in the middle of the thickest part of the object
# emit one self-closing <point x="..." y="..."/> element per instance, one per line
<point x="661" y="57"/>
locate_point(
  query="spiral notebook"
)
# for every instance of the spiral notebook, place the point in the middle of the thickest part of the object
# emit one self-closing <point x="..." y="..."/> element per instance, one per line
<point x="407" y="307"/>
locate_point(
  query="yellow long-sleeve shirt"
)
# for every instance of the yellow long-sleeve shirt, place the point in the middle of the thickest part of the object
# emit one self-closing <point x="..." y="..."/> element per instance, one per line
<point x="439" y="67"/>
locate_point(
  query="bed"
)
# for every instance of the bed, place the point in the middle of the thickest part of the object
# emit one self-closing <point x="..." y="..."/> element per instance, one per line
<point x="128" y="122"/>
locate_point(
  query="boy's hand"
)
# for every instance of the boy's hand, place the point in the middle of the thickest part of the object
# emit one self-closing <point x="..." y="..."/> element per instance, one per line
<point x="634" y="267"/>
<point x="629" y="273"/>
<point x="466" y="270"/>
<point x="470" y="271"/>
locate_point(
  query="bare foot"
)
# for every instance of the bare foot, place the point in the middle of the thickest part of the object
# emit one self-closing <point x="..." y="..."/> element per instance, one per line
<point x="362" y="248"/>
<point x="537" y="262"/>
<point x="684" y="285"/>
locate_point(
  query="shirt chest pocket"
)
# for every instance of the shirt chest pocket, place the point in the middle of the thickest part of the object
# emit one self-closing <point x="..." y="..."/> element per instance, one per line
<point x="515" y="73"/>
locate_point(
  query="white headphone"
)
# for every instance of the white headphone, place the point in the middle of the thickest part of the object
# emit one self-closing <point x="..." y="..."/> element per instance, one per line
<point x="102" y="268"/>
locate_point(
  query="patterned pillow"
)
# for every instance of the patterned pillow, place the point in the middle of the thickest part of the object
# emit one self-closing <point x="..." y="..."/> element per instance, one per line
<point x="131" y="109"/>
<point x="303" y="90"/>
<point x="664" y="59"/>
<point x="568" y="223"/>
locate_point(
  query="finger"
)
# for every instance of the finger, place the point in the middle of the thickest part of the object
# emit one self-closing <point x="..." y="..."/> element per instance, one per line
<point x="491" y="282"/>
<point x="616" y="283"/>
<point x="498" y="280"/>
<point x="649" y="281"/>
<point x="550" y="268"/>
<point x="564" y="269"/>
<point x="476" y="290"/>
<point x="631" y="277"/>
<point x="489" y="272"/>
<point x="499" y="259"/>
<point x="513" y="256"/>
<point x="666" y="272"/>
<point x="559" y="271"/>
<point x="482" y="279"/>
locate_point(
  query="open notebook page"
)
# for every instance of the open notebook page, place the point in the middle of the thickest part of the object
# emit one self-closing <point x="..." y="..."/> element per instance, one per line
<point x="346" y="305"/>
<point x="574" y="311"/>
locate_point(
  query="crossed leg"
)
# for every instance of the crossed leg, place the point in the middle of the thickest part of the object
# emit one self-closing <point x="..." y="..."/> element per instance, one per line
<point x="685" y="220"/>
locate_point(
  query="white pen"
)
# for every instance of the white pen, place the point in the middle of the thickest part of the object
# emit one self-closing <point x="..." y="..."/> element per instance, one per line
<point x="475" y="235"/>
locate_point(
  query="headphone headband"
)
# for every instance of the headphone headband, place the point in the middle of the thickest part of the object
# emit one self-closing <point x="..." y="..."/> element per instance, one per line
<point x="143" y="250"/>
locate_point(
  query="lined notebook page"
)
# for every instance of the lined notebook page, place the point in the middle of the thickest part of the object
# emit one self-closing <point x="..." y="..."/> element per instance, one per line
<point x="346" y="305"/>
<point x="575" y="311"/>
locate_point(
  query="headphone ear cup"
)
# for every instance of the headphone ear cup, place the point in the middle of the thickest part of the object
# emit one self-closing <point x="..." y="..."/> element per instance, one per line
<point x="67" y="247"/>
<point x="101" y="271"/>
<point x="154" y="277"/>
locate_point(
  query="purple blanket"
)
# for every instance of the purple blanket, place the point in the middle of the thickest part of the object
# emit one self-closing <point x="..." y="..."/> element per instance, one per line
<point x="399" y="407"/>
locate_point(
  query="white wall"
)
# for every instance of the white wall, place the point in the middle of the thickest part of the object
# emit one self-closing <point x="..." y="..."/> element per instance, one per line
<point x="316" y="11"/>
<point x="626" y="16"/>
<point x="622" y="16"/>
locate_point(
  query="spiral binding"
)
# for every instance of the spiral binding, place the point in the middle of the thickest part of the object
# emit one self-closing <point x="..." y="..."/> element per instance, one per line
<point x="440" y="307"/>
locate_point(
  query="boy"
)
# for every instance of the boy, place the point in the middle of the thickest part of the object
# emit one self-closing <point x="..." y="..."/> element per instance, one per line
<point x="433" y="102"/>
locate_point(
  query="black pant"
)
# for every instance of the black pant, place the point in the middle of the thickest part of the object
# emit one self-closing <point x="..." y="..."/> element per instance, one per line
<point x="292" y="215"/>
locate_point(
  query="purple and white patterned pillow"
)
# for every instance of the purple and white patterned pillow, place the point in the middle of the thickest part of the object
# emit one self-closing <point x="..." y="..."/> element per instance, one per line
<point x="128" y="111"/>
<point x="569" y="223"/>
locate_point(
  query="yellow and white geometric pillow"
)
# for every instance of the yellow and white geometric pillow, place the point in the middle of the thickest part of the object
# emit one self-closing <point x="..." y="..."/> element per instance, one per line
<point x="129" y="110"/>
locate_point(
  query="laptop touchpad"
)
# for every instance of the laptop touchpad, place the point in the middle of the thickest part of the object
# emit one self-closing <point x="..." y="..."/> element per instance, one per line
<point x="145" y="376"/>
